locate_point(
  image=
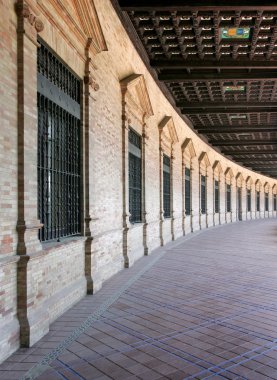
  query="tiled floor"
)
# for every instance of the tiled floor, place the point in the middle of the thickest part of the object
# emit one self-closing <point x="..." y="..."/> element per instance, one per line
<point x="204" y="307"/>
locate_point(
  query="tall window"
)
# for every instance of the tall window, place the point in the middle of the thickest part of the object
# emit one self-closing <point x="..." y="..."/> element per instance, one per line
<point x="203" y="194"/>
<point x="187" y="191"/>
<point x="216" y="196"/>
<point x="135" y="183"/>
<point x="266" y="202"/>
<point x="257" y="200"/>
<point x="248" y="200"/>
<point x="166" y="187"/>
<point x="59" y="136"/>
<point x="274" y="202"/>
<point x="228" y="198"/>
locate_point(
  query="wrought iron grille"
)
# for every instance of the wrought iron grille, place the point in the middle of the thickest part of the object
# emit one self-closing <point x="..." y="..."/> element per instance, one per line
<point x="203" y="194"/>
<point x="228" y="198"/>
<point x="239" y="203"/>
<point x="266" y="201"/>
<point x="166" y="187"/>
<point x="257" y="200"/>
<point x="248" y="200"/>
<point x="59" y="166"/>
<point x="187" y="191"/>
<point x="135" y="183"/>
<point x="216" y="197"/>
<point x="274" y="202"/>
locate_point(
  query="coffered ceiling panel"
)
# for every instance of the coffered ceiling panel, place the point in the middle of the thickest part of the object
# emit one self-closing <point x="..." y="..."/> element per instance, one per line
<point x="219" y="64"/>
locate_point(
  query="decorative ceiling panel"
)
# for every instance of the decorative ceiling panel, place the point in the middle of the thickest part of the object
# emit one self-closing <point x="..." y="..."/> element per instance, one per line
<point x="219" y="63"/>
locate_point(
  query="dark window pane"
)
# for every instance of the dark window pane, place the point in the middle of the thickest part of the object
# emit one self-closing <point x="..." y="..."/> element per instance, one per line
<point x="248" y="200"/>
<point x="59" y="132"/>
<point x="216" y="196"/>
<point x="228" y="198"/>
<point x="135" y="183"/>
<point x="203" y="194"/>
<point x="257" y="200"/>
<point x="266" y="202"/>
<point x="274" y="202"/>
<point x="187" y="191"/>
<point x="166" y="187"/>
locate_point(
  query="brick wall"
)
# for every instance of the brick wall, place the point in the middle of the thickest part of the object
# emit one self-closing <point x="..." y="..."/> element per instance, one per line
<point x="50" y="277"/>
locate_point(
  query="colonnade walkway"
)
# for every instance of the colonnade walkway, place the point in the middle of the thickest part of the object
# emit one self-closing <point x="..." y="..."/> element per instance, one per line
<point x="203" y="307"/>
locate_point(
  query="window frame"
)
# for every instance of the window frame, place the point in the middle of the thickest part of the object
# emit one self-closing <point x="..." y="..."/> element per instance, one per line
<point x="228" y="195"/>
<point x="135" y="157"/>
<point x="216" y="196"/>
<point x="188" y="199"/>
<point x="167" y="186"/>
<point x="203" y="190"/>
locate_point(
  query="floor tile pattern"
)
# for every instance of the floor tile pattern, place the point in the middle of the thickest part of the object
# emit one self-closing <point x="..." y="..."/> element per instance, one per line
<point x="203" y="307"/>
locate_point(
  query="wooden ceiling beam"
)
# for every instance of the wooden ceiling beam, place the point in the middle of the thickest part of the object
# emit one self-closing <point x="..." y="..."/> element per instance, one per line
<point x="209" y="64"/>
<point x="183" y="76"/>
<point x="247" y="152"/>
<point x="239" y="129"/>
<point x="243" y="105"/>
<point x="242" y="142"/>
<point x="181" y="5"/>
<point x="255" y="160"/>
<point x="241" y="111"/>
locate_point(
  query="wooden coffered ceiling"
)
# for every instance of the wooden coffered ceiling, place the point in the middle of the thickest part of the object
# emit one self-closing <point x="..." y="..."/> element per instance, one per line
<point x="182" y="43"/>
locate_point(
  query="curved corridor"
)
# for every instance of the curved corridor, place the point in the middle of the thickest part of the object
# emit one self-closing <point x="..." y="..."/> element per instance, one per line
<point x="202" y="307"/>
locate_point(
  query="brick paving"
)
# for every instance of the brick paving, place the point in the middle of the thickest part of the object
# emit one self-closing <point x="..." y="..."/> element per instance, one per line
<point x="203" y="307"/>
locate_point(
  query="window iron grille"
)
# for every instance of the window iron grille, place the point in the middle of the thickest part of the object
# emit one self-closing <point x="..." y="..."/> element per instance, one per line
<point x="266" y="202"/>
<point x="248" y="200"/>
<point x="203" y="194"/>
<point x="216" y="196"/>
<point x="228" y="198"/>
<point x="135" y="181"/>
<point x="187" y="191"/>
<point x="59" y="134"/>
<point x="166" y="187"/>
<point x="258" y="201"/>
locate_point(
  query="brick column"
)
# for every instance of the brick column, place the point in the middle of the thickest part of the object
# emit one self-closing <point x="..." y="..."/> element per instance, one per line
<point x="90" y="87"/>
<point x="161" y="188"/>
<point x="143" y="174"/>
<point x="172" y="159"/>
<point x="33" y="320"/>
<point x="125" y="191"/>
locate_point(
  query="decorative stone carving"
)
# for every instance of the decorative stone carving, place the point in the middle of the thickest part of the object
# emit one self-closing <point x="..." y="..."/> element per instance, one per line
<point x="188" y="148"/>
<point x="24" y="10"/>
<point x="88" y="79"/>
<point x="204" y="159"/>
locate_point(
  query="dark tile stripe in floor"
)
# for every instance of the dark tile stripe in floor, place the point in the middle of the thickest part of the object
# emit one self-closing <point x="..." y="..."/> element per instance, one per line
<point x="201" y="308"/>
